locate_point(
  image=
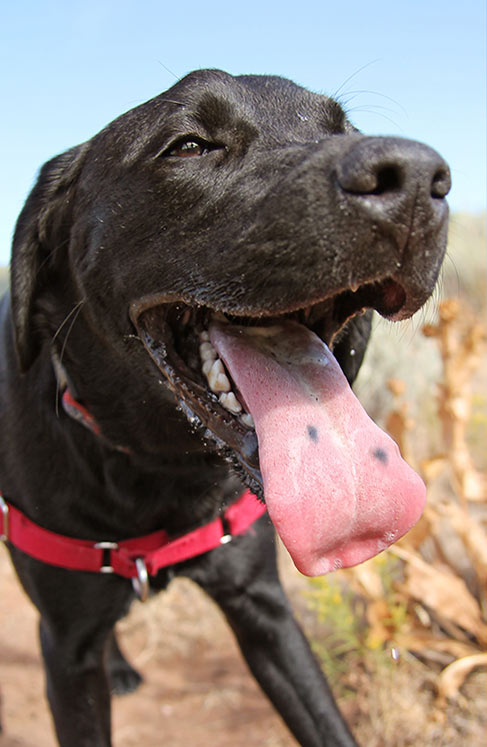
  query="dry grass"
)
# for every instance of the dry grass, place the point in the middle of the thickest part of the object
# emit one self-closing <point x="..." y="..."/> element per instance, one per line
<point x="423" y="601"/>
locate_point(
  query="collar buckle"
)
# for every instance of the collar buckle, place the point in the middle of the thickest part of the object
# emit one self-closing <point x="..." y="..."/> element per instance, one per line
<point x="227" y="534"/>
<point x="141" y="582"/>
<point x="4" y="510"/>
<point x="106" y="567"/>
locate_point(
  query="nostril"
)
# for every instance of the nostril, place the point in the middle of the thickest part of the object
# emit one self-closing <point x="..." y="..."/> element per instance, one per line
<point x="371" y="177"/>
<point x="441" y="182"/>
<point x="393" y="168"/>
<point x="388" y="179"/>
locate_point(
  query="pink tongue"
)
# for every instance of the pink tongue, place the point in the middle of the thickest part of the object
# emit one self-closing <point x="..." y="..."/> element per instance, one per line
<point x="336" y="486"/>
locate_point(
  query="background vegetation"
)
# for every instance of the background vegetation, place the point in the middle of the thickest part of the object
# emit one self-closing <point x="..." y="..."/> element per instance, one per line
<point x="403" y="637"/>
<point x="3" y="279"/>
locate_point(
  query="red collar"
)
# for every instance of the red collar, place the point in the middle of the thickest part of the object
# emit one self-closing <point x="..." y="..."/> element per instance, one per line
<point x="78" y="412"/>
<point x="136" y="558"/>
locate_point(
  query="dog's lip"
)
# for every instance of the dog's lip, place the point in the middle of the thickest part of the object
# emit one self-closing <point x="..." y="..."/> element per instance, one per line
<point x="384" y="293"/>
<point x="387" y="296"/>
<point x="140" y="305"/>
<point x="231" y="437"/>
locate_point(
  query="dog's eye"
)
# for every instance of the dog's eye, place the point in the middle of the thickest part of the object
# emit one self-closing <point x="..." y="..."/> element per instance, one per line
<point x="188" y="148"/>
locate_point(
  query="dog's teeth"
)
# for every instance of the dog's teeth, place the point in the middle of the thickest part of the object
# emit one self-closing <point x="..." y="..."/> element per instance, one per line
<point x="219" y="317"/>
<point x="248" y="420"/>
<point x="207" y="352"/>
<point x="217" y="367"/>
<point x="230" y="403"/>
<point x="217" y="379"/>
<point x="222" y="384"/>
<point x="207" y="366"/>
<point x="204" y="336"/>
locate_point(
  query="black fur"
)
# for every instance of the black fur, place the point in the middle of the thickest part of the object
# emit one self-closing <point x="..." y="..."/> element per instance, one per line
<point x="286" y="206"/>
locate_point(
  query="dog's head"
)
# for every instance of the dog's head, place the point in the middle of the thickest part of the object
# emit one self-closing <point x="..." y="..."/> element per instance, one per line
<point x="234" y="222"/>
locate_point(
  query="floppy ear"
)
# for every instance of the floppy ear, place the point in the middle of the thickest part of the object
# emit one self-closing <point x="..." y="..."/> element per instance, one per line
<point x="42" y="229"/>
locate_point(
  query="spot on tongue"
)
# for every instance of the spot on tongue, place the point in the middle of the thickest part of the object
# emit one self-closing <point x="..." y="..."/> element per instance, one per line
<point x="381" y="455"/>
<point x="313" y="433"/>
<point x="337" y="489"/>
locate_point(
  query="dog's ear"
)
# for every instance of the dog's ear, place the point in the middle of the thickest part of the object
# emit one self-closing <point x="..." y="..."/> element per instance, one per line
<point x="42" y="230"/>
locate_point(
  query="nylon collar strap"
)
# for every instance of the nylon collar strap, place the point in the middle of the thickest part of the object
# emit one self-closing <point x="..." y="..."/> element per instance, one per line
<point x="137" y="558"/>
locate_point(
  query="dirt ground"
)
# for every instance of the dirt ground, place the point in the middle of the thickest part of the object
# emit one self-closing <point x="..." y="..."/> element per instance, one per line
<point x="196" y="691"/>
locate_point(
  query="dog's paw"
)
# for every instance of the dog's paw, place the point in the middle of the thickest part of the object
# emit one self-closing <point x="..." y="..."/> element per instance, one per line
<point x="124" y="679"/>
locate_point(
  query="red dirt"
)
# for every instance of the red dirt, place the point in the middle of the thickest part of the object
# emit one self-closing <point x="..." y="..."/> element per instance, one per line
<point x="197" y="690"/>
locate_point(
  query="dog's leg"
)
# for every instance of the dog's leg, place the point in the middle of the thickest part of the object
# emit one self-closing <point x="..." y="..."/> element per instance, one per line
<point x="280" y="659"/>
<point x="243" y="580"/>
<point x="78" y="687"/>
<point x="78" y="612"/>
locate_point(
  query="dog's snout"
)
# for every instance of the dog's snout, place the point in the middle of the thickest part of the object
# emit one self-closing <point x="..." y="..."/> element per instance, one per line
<point x="389" y="167"/>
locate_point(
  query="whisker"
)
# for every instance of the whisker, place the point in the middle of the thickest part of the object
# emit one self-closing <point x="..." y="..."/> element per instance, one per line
<point x="74" y="310"/>
<point x="353" y="75"/>
<point x="359" y="92"/>
<point x="168" y="70"/>
<point x="367" y="110"/>
<point x="73" y="315"/>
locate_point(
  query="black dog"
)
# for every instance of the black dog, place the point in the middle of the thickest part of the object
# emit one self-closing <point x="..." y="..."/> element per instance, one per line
<point x="237" y="221"/>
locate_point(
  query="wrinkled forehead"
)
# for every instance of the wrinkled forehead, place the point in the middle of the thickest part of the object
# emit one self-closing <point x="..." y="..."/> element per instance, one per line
<point x="220" y="103"/>
<point x="268" y="101"/>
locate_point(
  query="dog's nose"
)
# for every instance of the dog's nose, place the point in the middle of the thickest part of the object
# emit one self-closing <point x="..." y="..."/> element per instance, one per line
<point x="392" y="168"/>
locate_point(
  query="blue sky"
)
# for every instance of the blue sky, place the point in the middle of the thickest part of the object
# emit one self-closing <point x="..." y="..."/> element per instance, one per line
<point x="413" y="68"/>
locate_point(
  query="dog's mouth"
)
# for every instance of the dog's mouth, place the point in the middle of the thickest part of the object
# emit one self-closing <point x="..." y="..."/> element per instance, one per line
<point x="269" y="394"/>
<point x="177" y="337"/>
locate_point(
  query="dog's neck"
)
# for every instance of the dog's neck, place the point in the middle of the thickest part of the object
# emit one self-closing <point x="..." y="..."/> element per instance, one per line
<point x="73" y="407"/>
